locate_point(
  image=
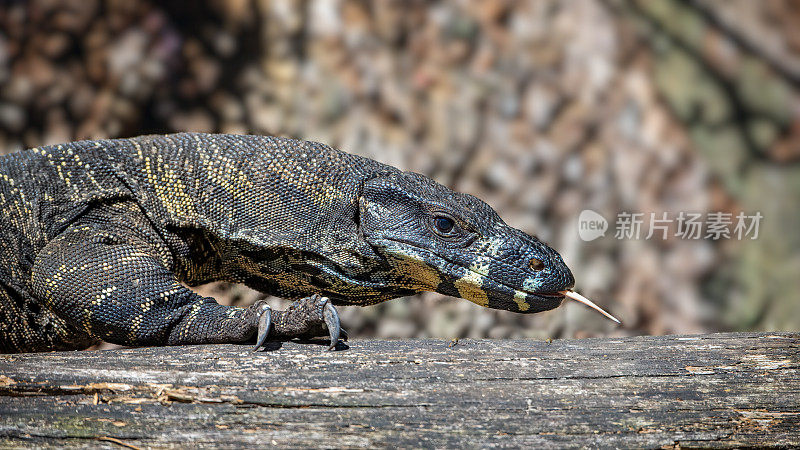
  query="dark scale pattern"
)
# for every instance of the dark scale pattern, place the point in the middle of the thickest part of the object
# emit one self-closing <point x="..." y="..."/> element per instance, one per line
<point x="97" y="237"/>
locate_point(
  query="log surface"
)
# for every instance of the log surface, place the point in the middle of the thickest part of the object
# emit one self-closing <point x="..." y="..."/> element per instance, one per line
<point x="720" y="390"/>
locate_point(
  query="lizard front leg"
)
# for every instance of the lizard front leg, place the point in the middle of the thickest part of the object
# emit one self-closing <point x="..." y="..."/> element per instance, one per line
<point x="116" y="288"/>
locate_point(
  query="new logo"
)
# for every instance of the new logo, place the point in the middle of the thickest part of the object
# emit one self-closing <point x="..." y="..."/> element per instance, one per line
<point x="591" y="225"/>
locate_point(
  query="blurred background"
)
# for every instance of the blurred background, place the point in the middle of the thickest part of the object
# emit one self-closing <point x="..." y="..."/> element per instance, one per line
<point x="541" y="108"/>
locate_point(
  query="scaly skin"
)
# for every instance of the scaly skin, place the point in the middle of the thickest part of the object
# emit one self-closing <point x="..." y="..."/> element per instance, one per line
<point x="96" y="238"/>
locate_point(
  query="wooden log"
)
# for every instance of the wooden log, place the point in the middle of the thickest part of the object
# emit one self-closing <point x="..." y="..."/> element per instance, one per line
<point x="719" y="390"/>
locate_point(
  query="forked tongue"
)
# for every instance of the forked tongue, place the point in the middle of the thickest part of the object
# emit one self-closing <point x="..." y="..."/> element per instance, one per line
<point x="578" y="297"/>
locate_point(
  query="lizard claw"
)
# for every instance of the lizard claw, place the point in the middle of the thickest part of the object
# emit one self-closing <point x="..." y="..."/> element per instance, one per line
<point x="332" y="321"/>
<point x="264" y="324"/>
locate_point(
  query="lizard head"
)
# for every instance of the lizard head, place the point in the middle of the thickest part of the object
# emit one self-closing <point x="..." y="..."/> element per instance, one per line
<point x="439" y="240"/>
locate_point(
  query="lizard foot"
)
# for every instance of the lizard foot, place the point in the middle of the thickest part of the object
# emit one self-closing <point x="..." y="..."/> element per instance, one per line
<point x="306" y="318"/>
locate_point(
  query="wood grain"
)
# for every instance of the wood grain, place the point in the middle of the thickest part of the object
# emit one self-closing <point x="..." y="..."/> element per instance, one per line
<point x="720" y="390"/>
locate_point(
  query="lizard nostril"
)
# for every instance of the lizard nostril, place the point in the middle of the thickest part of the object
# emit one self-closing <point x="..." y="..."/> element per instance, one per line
<point x="536" y="264"/>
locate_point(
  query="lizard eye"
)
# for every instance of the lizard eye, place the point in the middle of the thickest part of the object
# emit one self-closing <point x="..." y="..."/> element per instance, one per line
<point x="443" y="224"/>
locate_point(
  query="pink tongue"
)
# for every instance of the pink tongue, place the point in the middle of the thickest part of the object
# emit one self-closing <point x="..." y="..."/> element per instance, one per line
<point x="578" y="297"/>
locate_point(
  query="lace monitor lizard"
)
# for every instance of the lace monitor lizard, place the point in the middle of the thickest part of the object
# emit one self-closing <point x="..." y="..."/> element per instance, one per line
<point x="99" y="240"/>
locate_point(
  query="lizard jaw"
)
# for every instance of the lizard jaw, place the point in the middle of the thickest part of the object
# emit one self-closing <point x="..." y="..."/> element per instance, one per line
<point x="473" y="285"/>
